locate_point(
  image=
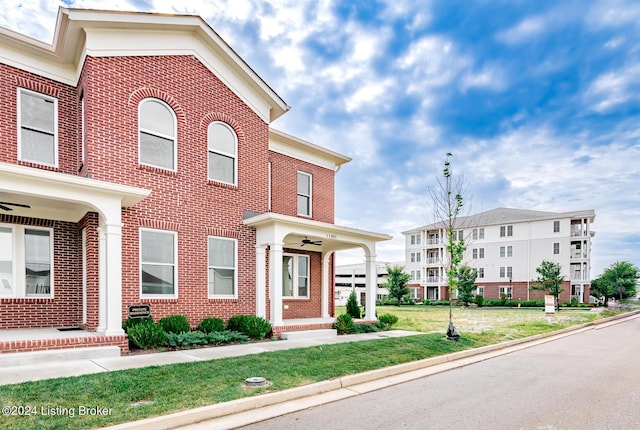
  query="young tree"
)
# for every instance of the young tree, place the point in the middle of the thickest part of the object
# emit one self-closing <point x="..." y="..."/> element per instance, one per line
<point x="549" y="280"/>
<point x="466" y="283"/>
<point x="448" y="202"/>
<point x="618" y="280"/>
<point x="397" y="282"/>
<point x="352" y="305"/>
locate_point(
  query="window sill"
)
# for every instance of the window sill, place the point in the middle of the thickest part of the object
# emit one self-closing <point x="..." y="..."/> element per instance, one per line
<point x="219" y="184"/>
<point x="156" y="169"/>
<point x="213" y="299"/>
<point x="38" y="165"/>
<point x="22" y="300"/>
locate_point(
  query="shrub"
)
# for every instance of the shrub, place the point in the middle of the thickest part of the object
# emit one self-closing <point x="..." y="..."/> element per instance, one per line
<point x="478" y="300"/>
<point x="388" y="319"/>
<point x="195" y="338"/>
<point x="408" y="300"/>
<point x="222" y="337"/>
<point x="344" y="324"/>
<point x="392" y="301"/>
<point x="235" y="322"/>
<point x="130" y="322"/>
<point x="146" y="335"/>
<point x="256" y="327"/>
<point x="175" y="324"/>
<point x="352" y="306"/>
<point x="251" y="325"/>
<point x="365" y="328"/>
<point x="426" y="302"/>
<point x="209" y="325"/>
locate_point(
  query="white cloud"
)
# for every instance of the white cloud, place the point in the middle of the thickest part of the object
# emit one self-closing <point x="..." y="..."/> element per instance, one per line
<point x="523" y="31"/>
<point x="613" y="88"/>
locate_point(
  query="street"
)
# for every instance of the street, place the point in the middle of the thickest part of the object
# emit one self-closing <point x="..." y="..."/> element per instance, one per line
<point x="585" y="381"/>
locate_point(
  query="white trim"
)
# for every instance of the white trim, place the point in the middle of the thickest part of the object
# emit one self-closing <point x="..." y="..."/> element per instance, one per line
<point x="309" y="196"/>
<point x="299" y="149"/>
<point x="174" y="265"/>
<point x="296" y="275"/>
<point x="216" y="151"/>
<point x="20" y="91"/>
<point x="19" y="263"/>
<point x="84" y="274"/>
<point x="155" y="133"/>
<point x="235" y="269"/>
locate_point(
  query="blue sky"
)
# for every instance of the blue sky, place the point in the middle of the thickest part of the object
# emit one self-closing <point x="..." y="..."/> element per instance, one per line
<point x="539" y="101"/>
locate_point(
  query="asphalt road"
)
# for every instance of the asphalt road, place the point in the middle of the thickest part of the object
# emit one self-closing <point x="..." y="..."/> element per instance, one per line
<point x="586" y="381"/>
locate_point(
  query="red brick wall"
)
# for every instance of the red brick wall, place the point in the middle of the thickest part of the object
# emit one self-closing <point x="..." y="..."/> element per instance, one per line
<point x="519" y="291"/>
<point x="311" y="307"/>
<point x="65" y="308"/>
<point x="284" y="179"/>
<point x="68" y="118"/>
<point x="183" y="201"/>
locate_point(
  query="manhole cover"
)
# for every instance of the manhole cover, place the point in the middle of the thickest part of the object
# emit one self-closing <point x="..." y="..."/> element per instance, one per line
<point x="255" y="381"/>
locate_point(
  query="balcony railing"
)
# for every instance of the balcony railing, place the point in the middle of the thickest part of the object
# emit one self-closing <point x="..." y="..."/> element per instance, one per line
<point x="578" y="232"/>
<point x="432" y="260"/>
<point x="433" y="242"/>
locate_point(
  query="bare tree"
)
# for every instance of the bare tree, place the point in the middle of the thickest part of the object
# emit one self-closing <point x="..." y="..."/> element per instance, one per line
<point x="448" y="203"/>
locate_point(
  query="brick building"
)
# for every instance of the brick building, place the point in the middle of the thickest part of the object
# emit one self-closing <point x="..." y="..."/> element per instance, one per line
<point x="138" y="166"/>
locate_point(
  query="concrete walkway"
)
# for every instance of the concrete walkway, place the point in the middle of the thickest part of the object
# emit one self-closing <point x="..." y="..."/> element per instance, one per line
<point x="20" y="367"/>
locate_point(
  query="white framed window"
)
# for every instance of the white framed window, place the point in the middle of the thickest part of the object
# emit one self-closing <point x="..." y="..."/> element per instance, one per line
<point x="502" y="252"/>
<point x="556" y="226"/>
<point x="304" y="193"/>
<point x="295" y="276"/>
<point x="509" y="251"/>
<point x="223" y="153"/>
<point x="481" y="233"/>
<point x="158" y="263"/>
<point x="502" y="271"/>
<point x="556" y="247"/>
<point x="415" y="293"/>
<point x="223" y="259"/>
<point x="506" y="291"/>
<point x="475" y="234"/>
<point x="37" y="128"/>
<point x="480" y="291"/>
<point x="509" y="230"/>
<point x="481" y="252"/>
<point x="157" y="144"/>
<point x="26" y="261"/>
<point x="481" y="272"/>
<point x="506" y="230"/>
<point x="509" y="272"/>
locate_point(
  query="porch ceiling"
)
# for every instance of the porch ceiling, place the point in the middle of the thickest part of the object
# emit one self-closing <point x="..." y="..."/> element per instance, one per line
<point x="293" y="230"/>
<point x="53" y="195"/>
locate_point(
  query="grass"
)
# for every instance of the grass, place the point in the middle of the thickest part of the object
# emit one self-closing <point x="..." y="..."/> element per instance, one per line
<point x="139" y="393"/>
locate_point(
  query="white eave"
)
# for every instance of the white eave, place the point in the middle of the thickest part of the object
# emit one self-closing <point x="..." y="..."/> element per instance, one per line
<point x="292" y="146"/>
<point x="81" y="32"/>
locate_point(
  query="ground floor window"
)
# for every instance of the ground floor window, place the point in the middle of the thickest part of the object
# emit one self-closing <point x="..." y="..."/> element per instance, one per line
<point x="295" y="276"/>
<point x="506" y="291"/>
<point x="158" y="263"/>
<point x="480" y="291"/>
<point x="222" y="267"/>
<point x="26" y="261"/>
<point x="415" y="293"/>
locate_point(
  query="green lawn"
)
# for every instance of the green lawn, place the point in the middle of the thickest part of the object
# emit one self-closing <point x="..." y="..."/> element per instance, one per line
<point x="139" y="393"/>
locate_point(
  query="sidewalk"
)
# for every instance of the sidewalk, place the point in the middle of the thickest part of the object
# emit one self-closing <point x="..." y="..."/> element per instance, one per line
<point x="58" y="367"/>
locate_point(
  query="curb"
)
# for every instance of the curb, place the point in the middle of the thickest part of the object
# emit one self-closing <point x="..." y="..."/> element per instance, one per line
<point x="411" y="370"/>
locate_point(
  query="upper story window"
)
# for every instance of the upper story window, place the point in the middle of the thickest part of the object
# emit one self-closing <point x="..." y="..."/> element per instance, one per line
<point x="38" y="133"/>
<point x="478" y="233"/>
<point x="26" y="261"/>
<point x="222" y="267"/>
<point x="556" y="248"/>
<point x="223" y="153"/>
<point x="506" y="230"/>
<point x="556" y="226"/>
<point x="304" y="194"/>
<point x="158" y="263"/>
<point x="157" y="125"/>
<point x="415" y="239"/>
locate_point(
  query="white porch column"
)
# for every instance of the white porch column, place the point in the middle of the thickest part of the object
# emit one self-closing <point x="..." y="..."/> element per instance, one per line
<point x="372" y="287"/>
<point x="324" y="300"/>
<point x="113" y="286"/>
<point x="275" y="282"/>
<point x="261" y="284"/>
<point x="102" y="281"/>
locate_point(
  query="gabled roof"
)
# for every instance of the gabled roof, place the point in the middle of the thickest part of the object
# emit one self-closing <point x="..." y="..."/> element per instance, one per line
<point x="507" y="215"/>
<point x="295" y="147"/>
<point x="82" y="32"/>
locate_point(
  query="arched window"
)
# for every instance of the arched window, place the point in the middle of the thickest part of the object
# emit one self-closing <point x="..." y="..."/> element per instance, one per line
<point x="223" y="153"/>
<point x="157" y="125"/>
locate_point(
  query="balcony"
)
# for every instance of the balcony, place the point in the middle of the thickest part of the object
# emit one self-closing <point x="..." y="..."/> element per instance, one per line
<point x="578" y="232"/>
<point x="433" y="242"/>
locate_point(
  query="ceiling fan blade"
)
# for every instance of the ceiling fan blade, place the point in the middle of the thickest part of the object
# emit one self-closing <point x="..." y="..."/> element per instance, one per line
<point x="6" y="208"/>
<point x="15" y="204"/>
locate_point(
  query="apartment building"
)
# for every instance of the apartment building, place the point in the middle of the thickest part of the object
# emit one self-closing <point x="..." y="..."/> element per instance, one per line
<point x="505" y="246"/>
<point x="139" y="170"/>
<point x="352" y="277"/>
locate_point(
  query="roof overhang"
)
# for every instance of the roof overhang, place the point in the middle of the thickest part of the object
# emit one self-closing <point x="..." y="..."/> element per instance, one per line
<point x="53" y="195"/>
<point x="292" y="146"/>
<point x="277" y="228"/>
<point x="82" y="32"/>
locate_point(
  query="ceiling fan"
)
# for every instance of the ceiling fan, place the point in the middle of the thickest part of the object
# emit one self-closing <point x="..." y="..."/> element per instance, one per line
<point x="5" y="206"/>
<point x="307" y="241"/>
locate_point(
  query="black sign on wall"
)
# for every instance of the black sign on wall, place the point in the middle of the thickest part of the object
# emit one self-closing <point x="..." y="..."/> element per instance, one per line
<point x="139" y="311"/>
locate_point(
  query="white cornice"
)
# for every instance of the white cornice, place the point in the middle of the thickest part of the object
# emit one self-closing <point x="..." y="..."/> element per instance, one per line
<point x="111" y="33"/>
<point x="292" y="146"/>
